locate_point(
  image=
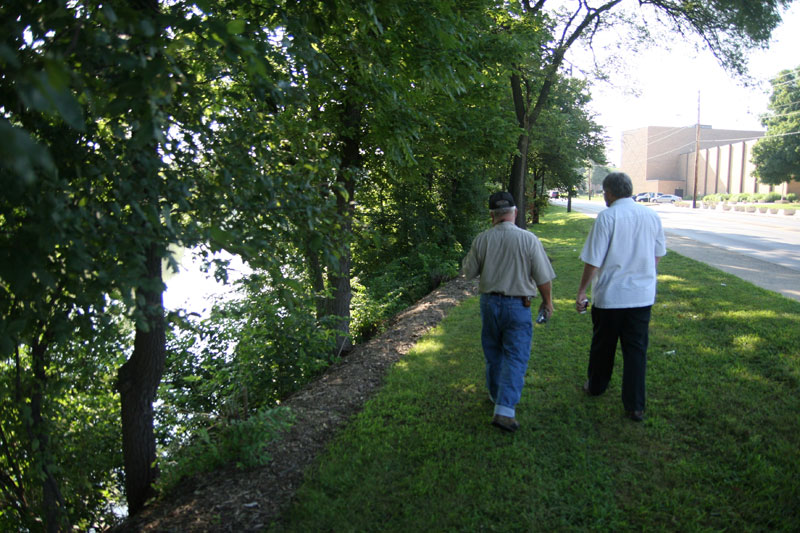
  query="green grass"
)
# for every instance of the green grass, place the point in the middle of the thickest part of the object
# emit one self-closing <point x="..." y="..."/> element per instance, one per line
<point x="719" y="449"/>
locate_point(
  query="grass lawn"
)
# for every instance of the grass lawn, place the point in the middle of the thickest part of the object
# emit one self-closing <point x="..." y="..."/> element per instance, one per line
<point x="719" y="449"/>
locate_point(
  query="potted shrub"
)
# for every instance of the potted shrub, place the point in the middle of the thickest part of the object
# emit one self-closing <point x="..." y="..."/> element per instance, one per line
<point x="789" y="211"/>
<point x="726" y="206"/>
<point x="773" y="210"/>
<point x="750" y="209"/>
<point x="762" y="209"/>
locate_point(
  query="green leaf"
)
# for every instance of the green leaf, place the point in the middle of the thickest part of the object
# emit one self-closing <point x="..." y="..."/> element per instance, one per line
<point x="236" y="27"/>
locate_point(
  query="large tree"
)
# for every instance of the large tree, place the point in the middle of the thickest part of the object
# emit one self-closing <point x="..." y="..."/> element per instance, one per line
<point x="378" y="59"/>
<point x="777" y="154"/>
<point x="728" y="27"/>
<point x="107" y="122"/>
<point x="557" y="161"/>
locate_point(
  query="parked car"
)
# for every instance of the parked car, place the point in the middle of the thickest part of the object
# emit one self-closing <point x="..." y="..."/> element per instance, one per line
<point x="642" y="197"/>
<point x="664" y="198"/>
<point x="553" y="194"/>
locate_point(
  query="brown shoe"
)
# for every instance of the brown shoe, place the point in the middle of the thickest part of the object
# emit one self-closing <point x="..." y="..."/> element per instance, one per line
<point x="636" y="416"/>
<point x="506" y="423"/>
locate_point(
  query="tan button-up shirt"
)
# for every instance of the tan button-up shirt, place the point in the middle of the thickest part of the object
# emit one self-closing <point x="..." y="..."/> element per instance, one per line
<point x="509" y="260"/>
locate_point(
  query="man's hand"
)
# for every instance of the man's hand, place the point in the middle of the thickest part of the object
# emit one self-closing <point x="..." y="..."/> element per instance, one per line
<point x="581" y="302"/>
<point x="545" y="290"/>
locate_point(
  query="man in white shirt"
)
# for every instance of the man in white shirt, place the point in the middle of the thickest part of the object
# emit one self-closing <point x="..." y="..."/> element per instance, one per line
<point x="621" y="253"/>
<point x="513" y="267"/>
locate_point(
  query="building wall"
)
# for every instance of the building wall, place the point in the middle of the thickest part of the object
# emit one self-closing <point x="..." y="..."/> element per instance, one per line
<point x="663" y="159"/>
<point x="730" y="171"/>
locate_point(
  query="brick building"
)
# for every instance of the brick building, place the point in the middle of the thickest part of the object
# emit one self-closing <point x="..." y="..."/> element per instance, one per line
<point x="662" y="159"/>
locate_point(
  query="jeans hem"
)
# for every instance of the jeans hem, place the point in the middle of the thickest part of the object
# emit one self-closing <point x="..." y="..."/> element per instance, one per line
<point x="503" y="410"/>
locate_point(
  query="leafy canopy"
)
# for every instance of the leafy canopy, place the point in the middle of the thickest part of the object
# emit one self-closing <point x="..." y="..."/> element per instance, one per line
<point x="777" y="155"/>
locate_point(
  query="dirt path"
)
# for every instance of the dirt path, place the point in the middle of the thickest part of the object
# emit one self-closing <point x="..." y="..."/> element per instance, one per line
<point x="237" y="501"/>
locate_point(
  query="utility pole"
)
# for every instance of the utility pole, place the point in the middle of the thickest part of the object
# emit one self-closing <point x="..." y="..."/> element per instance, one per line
<point x="696" y="153"/>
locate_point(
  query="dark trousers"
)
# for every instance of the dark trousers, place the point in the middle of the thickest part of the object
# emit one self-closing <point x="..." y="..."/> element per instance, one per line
<point x="630" y="327"/>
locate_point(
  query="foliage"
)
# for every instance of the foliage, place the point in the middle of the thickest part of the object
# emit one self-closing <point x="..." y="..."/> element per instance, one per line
<point x="401" y="283"/>
<point x="776" y="156"/>
<point x="83" y="425"/>
<point x="416" y="458"/>
<point x="251" y="352"/>
<point x="558" y="161"/>
<point x="319" y="141"/>
<point x="238" y="442"/>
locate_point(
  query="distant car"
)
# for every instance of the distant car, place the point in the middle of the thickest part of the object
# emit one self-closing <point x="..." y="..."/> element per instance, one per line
<point x="643" y="196"/>
<point x="666" y="198"/>
<point x="553" y="194"/>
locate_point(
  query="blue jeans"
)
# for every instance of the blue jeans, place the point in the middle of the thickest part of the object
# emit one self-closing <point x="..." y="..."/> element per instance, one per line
<point x="506" y="337"/>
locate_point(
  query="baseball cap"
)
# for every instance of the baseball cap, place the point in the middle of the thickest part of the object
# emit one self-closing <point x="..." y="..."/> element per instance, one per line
<point x="502" y="199"/>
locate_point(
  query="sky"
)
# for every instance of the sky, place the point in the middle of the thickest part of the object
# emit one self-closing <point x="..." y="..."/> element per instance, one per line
<point x="668" y="82"/>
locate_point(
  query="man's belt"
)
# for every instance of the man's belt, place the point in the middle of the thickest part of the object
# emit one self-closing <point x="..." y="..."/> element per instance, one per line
<point x="526" y="300"/>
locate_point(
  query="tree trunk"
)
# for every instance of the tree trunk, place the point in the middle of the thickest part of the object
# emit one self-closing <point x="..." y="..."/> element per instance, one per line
<point x="516" y="184"/>
<point x="519" y="169"/>
<point x="138" y="381"/>
<point x="339" y="276"/>
<point x="52" y="501"/>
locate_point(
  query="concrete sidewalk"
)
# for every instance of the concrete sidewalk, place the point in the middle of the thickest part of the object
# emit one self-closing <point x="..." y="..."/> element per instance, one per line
<point x="761" y="273"/>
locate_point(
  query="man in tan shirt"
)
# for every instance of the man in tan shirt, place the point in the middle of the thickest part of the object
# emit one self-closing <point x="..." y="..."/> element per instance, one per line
<point x="513" y="267"/>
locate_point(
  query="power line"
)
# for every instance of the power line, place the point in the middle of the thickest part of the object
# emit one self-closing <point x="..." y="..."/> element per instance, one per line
<point x="679" y="129"/>
<point x="786" y="105"/>
<point x="768" y="117"/>
<point x="781" y="84"/>
<point x="671" y="151"/>
<point x="721" y="145"/>
<point x="781" y="135"/>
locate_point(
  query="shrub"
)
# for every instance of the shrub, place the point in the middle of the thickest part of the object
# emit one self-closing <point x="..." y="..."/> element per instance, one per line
<point x="241" y="443"/>
<point x="792" y="197"/>
<point x="772" y="197"/>
<point x="399" y="284"/>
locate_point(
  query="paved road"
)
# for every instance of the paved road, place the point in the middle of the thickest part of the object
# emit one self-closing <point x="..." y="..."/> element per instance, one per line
<point x="761" y="248"/>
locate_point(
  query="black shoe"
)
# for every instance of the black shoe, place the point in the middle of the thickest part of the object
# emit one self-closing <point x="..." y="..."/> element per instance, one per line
<point x="505" y="423"/>
<point x="636" y="416"/>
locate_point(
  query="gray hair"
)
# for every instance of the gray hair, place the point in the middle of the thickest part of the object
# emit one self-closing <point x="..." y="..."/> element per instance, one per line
<point x="618" y="184"/>
<point x="503" y="211"/>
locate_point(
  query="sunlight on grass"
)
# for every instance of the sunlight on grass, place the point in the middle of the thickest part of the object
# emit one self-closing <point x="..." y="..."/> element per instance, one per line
<point x="746" y="374"/>
<point x="747" y="341"/>
<point x="666" y="278"/>
<point x="427" y="346"/>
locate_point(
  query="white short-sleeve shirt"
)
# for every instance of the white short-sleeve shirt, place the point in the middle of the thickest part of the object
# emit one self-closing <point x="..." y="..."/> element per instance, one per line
<point x="623" y="243"/>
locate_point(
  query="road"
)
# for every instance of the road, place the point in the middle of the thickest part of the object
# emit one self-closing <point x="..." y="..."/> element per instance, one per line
<point x="761" y="248"/>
